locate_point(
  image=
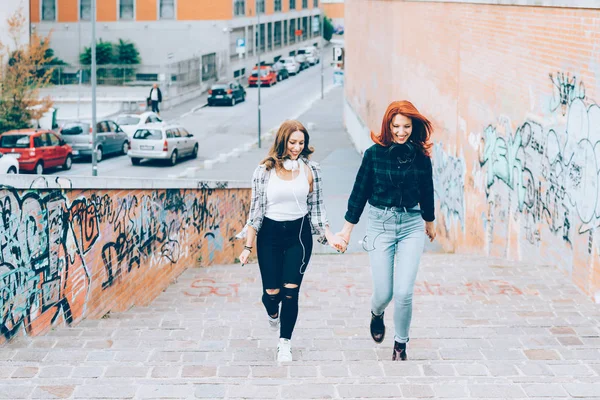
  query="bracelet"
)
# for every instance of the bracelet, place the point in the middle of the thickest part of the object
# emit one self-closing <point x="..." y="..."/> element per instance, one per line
<point x="249" y="248"/>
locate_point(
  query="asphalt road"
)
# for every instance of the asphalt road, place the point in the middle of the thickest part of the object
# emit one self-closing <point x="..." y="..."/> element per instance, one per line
<point x="220" y="129"/>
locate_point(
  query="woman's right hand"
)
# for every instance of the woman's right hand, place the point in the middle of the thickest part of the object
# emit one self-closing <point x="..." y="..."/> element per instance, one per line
<point x="244" y="256"/>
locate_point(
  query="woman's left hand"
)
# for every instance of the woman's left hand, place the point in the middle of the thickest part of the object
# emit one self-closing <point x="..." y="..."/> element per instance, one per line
<point x="430" y="230"/>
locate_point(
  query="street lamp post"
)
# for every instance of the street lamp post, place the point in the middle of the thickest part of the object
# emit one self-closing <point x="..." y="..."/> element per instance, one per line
<point x="322" y="55"/>
<point x="93" y="18"/>
<point x="79" y="70"/>
<point x="258" y="68"/>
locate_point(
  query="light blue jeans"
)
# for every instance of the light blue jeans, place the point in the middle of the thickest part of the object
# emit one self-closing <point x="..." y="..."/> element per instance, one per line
<point x="395" y="235"/>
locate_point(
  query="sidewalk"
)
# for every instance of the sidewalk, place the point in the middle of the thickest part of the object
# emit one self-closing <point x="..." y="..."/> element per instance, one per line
<point x="482" y="328"/>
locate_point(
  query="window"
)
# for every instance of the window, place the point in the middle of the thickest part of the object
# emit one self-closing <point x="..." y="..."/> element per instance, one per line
<point x="277" y="5"/>
<point x="167" y="9"/>
<point x="260" y="5"/>
<point x="292" y="4"/>
<point x="277" y="34"/>
<point x="52" y="140"/>
<point x="85" y="10"/>
<point x="239" y="8"/>
<point x="316" y="3"/>
<point x="48" y="10"/>
<point x="39" y="141"/>
<point x="126" y="9"/>
<point x="304" y="3"/>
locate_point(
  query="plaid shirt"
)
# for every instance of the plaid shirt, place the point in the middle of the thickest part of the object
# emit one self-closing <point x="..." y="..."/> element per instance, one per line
<point x="258" y="206"/>
<point x="384" y="182"/>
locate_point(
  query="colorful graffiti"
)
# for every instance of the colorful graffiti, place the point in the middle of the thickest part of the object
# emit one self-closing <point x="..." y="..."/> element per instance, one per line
<point x="56" y="253"/>
<point x="449" y="185"/>
<point x="552" y="171"/>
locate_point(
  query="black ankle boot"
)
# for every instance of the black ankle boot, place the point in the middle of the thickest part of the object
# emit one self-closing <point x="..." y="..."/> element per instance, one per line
<point x="399" y="352"/>
<point x="377" y="327"/>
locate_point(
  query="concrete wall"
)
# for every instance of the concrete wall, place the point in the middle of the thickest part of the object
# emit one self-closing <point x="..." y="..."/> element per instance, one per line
<point x="80" y="248"/>
<point x="512" y="92"/>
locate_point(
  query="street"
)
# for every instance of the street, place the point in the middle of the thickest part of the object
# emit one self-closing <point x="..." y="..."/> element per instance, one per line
<point x="220" y="129"/>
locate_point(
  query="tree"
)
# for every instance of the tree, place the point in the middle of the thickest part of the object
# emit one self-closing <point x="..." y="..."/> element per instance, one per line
<point x="127" y="53"/>
<point x="327" y="28"/>
<point x="104" y="54"/>
<point x="19" y="78"/>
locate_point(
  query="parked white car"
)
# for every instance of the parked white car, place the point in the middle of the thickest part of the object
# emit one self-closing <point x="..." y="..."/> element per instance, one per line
<point x="290" y="64"/>
<point x="162" y="142"/>
<point x="9" y="164"/>
<point x="131" y="122"/>
<point x="312" y="54"/>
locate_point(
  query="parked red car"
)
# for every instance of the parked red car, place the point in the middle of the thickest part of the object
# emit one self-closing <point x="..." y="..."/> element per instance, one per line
<point x="268" y="76"/>
<point x="37" y="150"/>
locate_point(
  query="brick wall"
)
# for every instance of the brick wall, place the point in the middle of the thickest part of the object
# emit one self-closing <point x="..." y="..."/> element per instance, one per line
<point x="512" y="91"/>
<point x="70" y="254"/>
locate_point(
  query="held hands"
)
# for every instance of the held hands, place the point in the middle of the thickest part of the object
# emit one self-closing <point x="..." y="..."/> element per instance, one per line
<point x="337" y="242"/>
<point x="430" y="230"/>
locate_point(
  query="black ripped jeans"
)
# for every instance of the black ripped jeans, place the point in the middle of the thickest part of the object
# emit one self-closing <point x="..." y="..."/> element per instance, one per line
<point x="283" y="250"/>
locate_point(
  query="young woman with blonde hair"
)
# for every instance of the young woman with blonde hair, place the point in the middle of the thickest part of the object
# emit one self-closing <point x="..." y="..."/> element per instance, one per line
<point x="286" y="210"/>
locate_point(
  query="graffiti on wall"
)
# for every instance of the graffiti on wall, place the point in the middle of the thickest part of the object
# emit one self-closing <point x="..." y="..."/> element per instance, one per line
<point x="548" y="174"/>
<point x="449" y="185"/>
<point x="57" y="253"/>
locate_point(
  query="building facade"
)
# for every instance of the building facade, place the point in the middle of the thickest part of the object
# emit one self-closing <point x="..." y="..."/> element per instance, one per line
<point x="224" y="34"/>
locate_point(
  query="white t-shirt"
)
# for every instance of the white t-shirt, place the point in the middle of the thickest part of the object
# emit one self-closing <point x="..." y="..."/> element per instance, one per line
<point x="154" y="94"/>
<point x="287" y="200"/>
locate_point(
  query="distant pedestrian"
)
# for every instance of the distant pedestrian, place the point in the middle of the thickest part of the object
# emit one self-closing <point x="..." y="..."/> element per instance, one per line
<point x="155" y="98"/>
<point x="286" y="210"/>
<point x="395" y="177"/>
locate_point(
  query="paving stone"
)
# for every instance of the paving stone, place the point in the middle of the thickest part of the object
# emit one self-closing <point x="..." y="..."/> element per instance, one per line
<point x="53" y="392"/>
<point x="583" y="389"/>
<point x="25" y="372"/>
<point x="11" y="392"/>
<point x="380" y="391"/>
<point x="198" y="371"/>
<point x="545" y="390"/>
<point x="126" y="372"/>
<point x="254" y="392"/>
<point x="165" y="391"/>
<point x="542" y="354"/>
<point x="417" y="391"/>
<point x="237" y="371"/>
<point x="99" y="391"/>
<point x="56" y="371"/>
<point x="210" y="391"/>
<point x="496" y="391"/>
<point x="450" y="391"/>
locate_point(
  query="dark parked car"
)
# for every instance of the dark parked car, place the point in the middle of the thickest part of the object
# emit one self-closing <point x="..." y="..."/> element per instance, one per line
<point x="282" y="72"/>
<point x="110" y="138"/>
<point x="226" y="92"/>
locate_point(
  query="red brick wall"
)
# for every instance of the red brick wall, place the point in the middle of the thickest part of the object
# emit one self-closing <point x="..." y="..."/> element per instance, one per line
<point x="512" y="92"/>
<point x="66" y="255"/>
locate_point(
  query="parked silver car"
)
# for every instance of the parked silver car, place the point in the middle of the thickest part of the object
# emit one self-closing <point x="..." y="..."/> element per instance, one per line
<point x="160" y="142"/>
<point x="110" y="138"/>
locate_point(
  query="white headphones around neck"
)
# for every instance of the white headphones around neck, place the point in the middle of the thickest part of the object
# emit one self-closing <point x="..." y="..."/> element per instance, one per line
<point x="291" y="165"/>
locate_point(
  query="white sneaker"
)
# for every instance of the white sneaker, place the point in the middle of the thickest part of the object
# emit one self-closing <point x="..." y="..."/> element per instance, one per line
<point x="284" y="350"/>
<point x="273" y="323"/>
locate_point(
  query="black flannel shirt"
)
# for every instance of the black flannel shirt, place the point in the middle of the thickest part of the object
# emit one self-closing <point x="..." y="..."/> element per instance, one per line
<point x="385" y="182"/>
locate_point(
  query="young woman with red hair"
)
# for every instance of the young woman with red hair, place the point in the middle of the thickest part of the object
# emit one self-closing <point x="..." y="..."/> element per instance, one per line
<point x="395" y="177"/>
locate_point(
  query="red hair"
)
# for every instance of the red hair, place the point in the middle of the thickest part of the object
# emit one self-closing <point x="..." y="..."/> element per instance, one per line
<point x="421" y="131"/>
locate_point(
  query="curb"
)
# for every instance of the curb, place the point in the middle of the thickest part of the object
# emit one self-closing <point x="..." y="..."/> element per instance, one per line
<point x="236" y="152"/>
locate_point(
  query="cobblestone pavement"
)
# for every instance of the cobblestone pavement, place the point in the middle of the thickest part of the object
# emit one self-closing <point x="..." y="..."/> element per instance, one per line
<point x="482" y="328"/>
